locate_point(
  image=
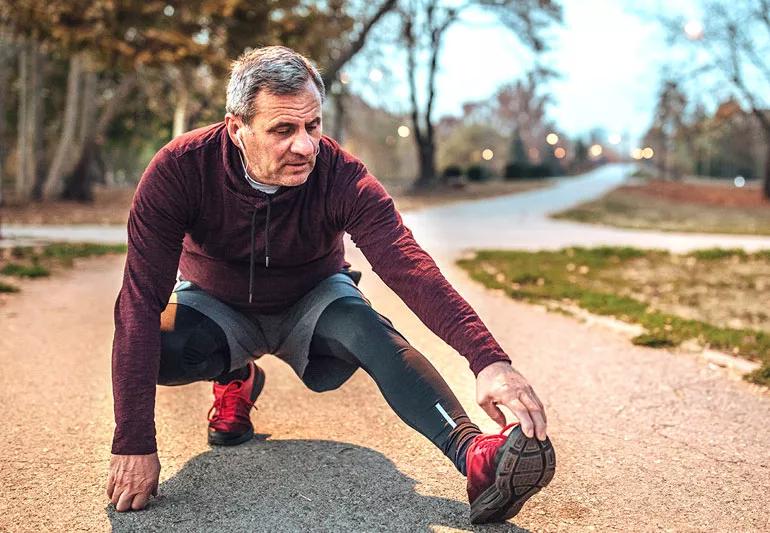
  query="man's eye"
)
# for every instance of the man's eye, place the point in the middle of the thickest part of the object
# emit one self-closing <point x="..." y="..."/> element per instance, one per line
<point x="283" y="132"/>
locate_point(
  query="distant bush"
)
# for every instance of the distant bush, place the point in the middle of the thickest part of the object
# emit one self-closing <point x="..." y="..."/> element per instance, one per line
<point x="525" y="170"/>
<point x="515" y="170"/>
<point x="452" y="172"/>
<point x="477" y="173"/>
<point x="541" y="171"/>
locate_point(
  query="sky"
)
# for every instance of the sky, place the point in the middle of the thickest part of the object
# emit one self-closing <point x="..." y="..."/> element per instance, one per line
<point x="610" y="54"/>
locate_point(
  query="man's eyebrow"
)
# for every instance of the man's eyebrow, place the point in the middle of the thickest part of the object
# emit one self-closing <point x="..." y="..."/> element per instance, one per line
<point x="279" y="125"/>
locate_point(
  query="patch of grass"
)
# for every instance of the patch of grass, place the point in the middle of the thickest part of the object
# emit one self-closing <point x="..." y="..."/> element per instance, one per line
<point x="714" y="254"/>
<point x="596" y="280"/>
<point x="5" y="287"/>
<point x="35" y="270"/>
<point x="37" y="261"/>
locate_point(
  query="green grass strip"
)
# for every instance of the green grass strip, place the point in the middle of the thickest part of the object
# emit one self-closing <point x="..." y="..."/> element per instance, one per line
<point x="5" y="287"/>
<point x="34" y="270"/>
<point x="567" y="275"/>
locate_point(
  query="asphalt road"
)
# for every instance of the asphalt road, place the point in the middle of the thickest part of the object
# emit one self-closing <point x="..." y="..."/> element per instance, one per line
<point x="647" y="440"/>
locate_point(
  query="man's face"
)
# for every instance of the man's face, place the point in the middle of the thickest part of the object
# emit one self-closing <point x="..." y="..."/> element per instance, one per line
<point x="282" y="139"/>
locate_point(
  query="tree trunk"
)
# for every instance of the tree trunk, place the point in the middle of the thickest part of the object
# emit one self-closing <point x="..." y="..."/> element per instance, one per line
<point x="6" y="57"/>
<point x="181" y="108"/>
<point x="28" y="125"/>
<point x="65" y="156"/>
<point x="78" y="184"/>
<point x="338" y="129"/>
<point x="766" y="181"/>
<point x="90" y="168"/>
<point x="427" y="169"/>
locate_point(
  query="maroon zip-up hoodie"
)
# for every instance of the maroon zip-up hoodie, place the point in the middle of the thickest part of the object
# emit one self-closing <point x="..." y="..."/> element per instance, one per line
<point x="194" y="210"/>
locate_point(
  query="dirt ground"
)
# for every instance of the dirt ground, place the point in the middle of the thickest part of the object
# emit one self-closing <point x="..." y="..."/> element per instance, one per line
<point x="701" y="192"/>
<point x="702" y="290"/>
<point x="111" y="206"/>
<point x="694" y="205"/>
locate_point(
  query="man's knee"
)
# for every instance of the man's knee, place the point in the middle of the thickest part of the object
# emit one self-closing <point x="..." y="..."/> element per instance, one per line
<point x="193" y="347"/>
<point x="349" y="316"/>
<point x="350" y="324"/>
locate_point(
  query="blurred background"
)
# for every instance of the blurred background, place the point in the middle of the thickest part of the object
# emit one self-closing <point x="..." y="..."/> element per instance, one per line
<point x="429" y="93"/>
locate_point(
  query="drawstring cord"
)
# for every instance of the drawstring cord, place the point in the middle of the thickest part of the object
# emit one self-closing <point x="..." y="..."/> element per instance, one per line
<point x="267" y="245"/>
<point x="251" y="255"/>
<point x="267" y="233"/>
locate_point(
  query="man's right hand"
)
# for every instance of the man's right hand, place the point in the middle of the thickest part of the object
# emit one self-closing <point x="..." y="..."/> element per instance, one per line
<point x="133" y="480"/>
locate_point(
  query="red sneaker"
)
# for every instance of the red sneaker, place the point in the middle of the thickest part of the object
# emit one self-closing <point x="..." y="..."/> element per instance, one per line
<point x="504" y="472"/>
<point x="229" y="421"/>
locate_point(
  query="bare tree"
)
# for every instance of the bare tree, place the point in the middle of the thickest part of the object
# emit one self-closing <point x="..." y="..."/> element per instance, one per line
<point x="736" y="42"/>
<point x="425" y="23"/>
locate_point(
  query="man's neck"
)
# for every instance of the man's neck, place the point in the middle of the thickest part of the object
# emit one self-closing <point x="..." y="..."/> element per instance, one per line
<point x="258" y="185"/>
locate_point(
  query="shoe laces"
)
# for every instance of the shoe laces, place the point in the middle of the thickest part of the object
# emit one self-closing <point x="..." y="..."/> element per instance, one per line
<point x="230" y="406"/>
<point x="492" y="439"/>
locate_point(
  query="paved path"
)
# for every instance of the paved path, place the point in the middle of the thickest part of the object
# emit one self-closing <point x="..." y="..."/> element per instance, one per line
<point x="646" y="440"/>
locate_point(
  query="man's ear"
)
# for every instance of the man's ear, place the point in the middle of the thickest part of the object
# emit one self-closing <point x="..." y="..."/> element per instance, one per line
<point x="233" y="124"/>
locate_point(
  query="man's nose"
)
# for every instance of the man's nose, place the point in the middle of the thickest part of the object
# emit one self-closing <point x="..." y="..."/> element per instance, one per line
<point x="303" y="145"/>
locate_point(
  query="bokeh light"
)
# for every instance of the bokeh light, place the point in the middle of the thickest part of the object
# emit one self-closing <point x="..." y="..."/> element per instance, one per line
<point x="487" y="154"/>
<point x="739" y="181"/>
<point x="636" y="153"/>
<point x="560" y="153"/>
<point x="551" y="138"/>
<point x="403" y="131"/>
<point x="694" y="30"/>
<point x="596" y="150"/>
<point x="648" y="153"/>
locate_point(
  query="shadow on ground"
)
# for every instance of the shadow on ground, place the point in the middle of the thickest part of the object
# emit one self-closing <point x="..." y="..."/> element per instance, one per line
<point x="294" y="485"/>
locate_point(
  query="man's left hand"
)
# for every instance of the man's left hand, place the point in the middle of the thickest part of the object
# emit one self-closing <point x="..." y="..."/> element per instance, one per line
<point x="500" y="384"/>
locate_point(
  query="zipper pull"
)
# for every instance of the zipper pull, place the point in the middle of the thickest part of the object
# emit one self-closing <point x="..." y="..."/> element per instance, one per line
<point x="267" y="261"/>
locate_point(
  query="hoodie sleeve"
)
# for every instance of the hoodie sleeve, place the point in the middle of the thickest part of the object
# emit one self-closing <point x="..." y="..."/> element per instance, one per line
<point x="156" y="226"/>
<point x="369" y="215"/>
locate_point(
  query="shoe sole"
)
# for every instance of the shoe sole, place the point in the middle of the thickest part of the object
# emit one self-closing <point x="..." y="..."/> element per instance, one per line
<point x="525" y="466"/>
<point x="228" y="439"/>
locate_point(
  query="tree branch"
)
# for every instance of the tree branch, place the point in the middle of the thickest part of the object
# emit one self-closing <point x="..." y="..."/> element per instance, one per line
<point x="331" y="71"/>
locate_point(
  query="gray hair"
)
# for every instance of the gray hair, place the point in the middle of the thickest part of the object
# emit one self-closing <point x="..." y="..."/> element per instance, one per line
<point x="275" y="69"/>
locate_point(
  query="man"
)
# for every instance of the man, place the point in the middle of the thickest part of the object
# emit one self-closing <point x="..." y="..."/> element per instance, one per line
<point x="252" y="212"/>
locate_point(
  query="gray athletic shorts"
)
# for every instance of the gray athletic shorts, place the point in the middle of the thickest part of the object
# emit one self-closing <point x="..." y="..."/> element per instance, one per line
<point x="286" y="335"/>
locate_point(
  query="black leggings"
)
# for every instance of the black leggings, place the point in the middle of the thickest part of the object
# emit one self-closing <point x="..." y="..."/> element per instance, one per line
<point x="349" y="334"/>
